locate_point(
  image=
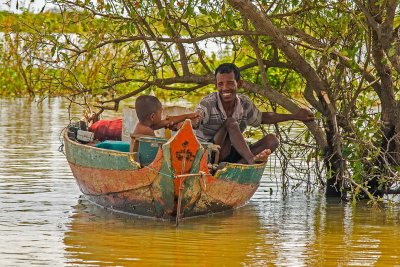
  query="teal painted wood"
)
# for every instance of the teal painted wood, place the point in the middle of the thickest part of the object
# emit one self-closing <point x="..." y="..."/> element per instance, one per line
<point x="164" y="187"/>
<point x="93" y="157"/>
<point x="121" y="146"/>
<point x="148" y="148"/>
<point x="242" y="174"/>
<point x="191" y="186"/>
<point x="196" y="162"/>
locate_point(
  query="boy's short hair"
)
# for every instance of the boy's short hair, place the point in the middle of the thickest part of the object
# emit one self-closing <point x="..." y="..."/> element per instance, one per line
<point x="228" y="68"/>
<point x="145" y="105"/>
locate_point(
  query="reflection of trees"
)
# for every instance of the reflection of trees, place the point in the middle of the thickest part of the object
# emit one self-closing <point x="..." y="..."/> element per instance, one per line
<point x="29" y="142"/>
<point x="346" y="235"/>
<point x="25" y="129"/>
<point x="323" y="232"/>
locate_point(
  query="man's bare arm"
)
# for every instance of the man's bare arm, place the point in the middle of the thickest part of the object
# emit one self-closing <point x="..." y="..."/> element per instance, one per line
<point x="302" y="114"/>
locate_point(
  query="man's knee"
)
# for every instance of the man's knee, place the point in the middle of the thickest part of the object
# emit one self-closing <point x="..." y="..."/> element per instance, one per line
<point x="271" y="141"/>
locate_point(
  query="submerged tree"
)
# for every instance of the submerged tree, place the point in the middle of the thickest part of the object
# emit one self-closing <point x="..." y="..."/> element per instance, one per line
<point x="341" y="57"/>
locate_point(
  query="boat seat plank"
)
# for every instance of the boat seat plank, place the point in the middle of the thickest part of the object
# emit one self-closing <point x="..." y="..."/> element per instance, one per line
<point x="121" y="146"/>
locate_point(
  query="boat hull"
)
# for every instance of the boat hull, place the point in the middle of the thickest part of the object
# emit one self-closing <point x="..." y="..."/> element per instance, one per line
<point x="175" y="185"/>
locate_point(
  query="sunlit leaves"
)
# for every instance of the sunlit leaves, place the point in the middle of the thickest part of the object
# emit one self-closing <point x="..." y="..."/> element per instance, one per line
<point x="230" y="19"/>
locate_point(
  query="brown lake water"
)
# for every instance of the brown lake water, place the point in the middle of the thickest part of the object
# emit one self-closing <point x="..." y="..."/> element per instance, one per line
<point x="44" y="220"/>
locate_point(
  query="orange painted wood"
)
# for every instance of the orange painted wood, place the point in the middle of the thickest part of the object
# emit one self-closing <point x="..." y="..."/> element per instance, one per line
<point x="184" y="147"/>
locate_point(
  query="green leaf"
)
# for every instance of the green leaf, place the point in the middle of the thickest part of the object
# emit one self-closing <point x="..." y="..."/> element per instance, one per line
<point x="396" y="22"/>
<point x="392" y="51"/>
<point x="230" y="20"/>
<point x="53" y="50"/>
<point x="203" y="10"/>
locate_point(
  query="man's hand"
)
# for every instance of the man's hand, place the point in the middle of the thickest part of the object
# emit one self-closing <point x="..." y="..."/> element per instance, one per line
<point x="304" y="115"/>
<point x="195" y="118"/>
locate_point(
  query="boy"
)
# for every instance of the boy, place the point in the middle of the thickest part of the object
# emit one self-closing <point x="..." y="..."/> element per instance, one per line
<point x="148" y="110"/>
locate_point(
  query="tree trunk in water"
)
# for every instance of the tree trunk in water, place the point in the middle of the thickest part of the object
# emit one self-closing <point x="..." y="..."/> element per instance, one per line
<point x="390" y="115"/>
<point x="390" y="152"/>
<point x="390" y="144"/>
<point x="334" y="162"/>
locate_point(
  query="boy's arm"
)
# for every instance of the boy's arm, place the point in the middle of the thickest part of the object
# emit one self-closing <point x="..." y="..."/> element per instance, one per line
<point x="170" y="122"/>
<point x="175" y="122"/>
<point x="179" y="118"/>
<point x="162" y="124"/>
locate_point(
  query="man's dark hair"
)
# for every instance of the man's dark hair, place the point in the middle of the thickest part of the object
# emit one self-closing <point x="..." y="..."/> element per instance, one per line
<point x="145" y="105"/>
<point x="228" y="68"/>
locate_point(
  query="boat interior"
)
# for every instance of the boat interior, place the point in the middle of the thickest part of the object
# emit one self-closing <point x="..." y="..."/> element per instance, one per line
<point x="143" y="148"/>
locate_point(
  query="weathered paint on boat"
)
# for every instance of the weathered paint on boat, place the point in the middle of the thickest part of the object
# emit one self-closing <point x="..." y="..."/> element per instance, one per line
<point x="176" y="184"/>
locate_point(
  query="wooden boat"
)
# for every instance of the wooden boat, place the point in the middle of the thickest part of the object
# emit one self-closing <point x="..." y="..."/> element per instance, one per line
<point x="175" y="184"/>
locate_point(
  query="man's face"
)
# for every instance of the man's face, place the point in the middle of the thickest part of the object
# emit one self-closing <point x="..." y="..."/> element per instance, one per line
<point x="227" y="86"/>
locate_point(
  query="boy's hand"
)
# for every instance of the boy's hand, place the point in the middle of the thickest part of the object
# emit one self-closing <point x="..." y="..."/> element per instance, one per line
<point x="169" y="123"/>
<point x="175" y="122"/>
<point x="173" y="126"/>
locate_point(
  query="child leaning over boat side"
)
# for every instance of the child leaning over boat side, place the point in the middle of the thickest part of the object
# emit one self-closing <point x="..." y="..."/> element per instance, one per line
<point x="148" y="110"/>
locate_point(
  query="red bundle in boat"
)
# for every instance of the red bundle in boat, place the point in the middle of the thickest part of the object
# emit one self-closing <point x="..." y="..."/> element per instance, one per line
<point x="107" y="129"/>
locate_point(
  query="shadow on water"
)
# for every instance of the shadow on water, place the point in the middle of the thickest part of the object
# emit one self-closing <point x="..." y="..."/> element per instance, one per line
<point x="44" y="222"/>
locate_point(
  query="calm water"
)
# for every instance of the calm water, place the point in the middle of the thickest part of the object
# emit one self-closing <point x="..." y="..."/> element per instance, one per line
<point x="44" y="221"/>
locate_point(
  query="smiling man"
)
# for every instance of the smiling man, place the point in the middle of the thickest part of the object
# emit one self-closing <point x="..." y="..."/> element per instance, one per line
<point x="225" y="114"/>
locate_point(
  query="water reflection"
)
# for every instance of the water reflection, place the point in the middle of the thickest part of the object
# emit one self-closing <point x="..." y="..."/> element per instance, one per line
<point x="298" y="231"/>
<point x="43" y="220"/>
<point x="36" y="187"/>
<point x="108" y="239"/>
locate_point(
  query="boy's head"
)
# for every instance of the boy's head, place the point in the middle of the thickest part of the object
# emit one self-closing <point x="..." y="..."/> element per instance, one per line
<point x="148" y="107"/>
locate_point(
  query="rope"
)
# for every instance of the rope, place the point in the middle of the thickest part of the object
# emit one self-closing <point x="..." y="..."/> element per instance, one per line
<point x="157" y="171"/>
<point x="179" y="175"/>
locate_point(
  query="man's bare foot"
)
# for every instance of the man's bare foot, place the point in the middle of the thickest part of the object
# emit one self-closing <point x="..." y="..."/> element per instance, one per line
<point x="259" y="158"/>
<point x="262" y="156"/>
<point x="221" y="165"/>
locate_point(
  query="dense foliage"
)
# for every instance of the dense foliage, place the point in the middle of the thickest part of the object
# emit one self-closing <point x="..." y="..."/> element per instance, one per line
<point x="340" y="58"/>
